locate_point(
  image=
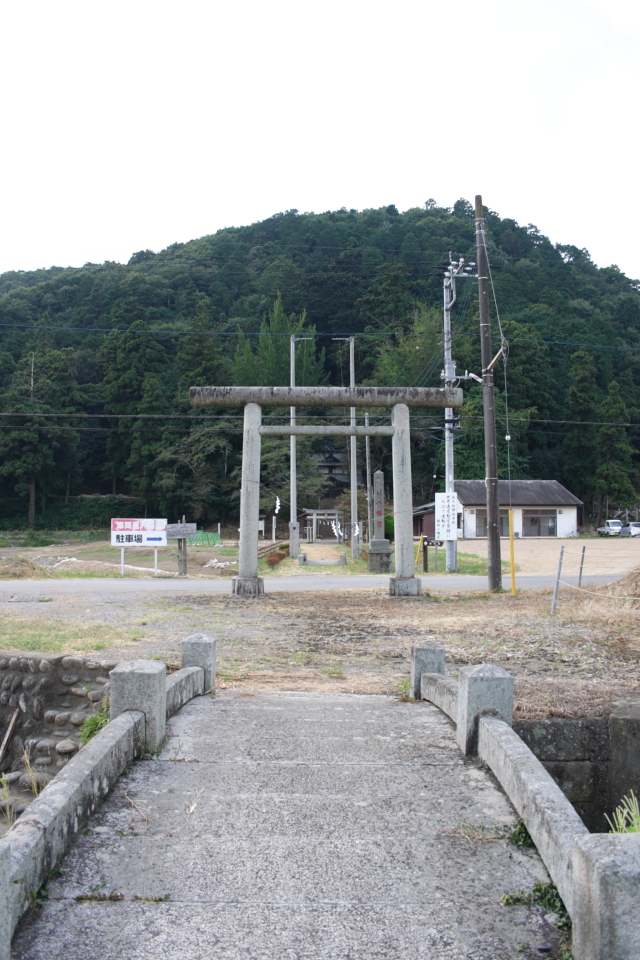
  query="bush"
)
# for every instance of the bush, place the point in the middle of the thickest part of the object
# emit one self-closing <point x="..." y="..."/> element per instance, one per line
<point x="388" y="527"/>
<point x="275" y="558"/>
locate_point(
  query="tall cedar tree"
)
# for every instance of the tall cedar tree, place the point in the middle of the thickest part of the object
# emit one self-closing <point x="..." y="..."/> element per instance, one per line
<point x="136" y="378"/>
<point x="581" y="442"/>
<point x="615" y="452"/>
<point x="37" y="452"/>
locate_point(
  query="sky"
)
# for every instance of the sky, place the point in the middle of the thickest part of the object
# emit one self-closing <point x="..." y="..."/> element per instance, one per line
<point x="133" y="125"/>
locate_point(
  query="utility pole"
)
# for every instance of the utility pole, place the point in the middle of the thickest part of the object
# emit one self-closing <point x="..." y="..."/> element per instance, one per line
<point x="449" y="376"/>
<point x="355" y="537"/>
<point x="367" y="447"/>
<point x="490" y="446"/>
<point x="294" y="527"/>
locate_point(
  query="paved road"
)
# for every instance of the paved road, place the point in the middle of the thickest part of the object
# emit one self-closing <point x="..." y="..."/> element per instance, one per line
<point x="118" y="588"/>
<point x="283" y="826"/>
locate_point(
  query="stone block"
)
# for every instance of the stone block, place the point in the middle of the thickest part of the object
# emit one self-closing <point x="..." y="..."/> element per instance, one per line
<point x="6" y="923"/>
<point x="482" y="690"/>
<point x="182" y="687"/>
<point x="624" y="764"/>
<point x="560" y="738"/>
<point x="200" y="651"/>
<point x="140" y="685"/>
<point x="425" y="658"/>
<point x="606" y="880"/>
<point x="379" y="561"/>
<point x="579" y="780"/>
<point x="247" y="587"/>
<point x="441" y="691"/>
<point x="405" y="587"/>
<point x="302" y="559"/>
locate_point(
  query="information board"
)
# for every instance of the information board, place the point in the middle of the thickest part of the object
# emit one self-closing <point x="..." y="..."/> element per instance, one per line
<point x="140" y="532"/>
<point x="446" y="516"/>
<point x="182" y="531"/>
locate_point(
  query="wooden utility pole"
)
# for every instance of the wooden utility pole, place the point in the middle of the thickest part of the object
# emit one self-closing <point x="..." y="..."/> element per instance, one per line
<point x="490" y="447"/>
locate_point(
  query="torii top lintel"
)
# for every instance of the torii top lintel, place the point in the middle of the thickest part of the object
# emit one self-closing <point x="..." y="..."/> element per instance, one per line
<point x="326" y="396"/>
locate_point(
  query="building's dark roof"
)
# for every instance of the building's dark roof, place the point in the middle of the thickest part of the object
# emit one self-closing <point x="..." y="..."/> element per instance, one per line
<point x="523" y="493"/>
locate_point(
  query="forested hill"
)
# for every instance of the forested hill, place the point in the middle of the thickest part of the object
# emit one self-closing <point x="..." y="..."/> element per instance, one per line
<point x="95" y="362"/>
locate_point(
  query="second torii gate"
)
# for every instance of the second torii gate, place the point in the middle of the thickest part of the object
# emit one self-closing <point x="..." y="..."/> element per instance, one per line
<point x="253" y="399"/>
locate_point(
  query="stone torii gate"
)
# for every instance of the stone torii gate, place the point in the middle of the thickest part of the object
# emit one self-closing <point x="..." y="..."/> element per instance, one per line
<point x="253" y="399"/>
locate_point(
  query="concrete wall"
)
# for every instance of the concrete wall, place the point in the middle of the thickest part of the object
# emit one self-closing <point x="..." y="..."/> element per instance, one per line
<point x="576" y="754"/>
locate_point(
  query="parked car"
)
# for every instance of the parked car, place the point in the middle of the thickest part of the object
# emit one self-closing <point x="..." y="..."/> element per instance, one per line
<point x="630" y="529"/>
<point x="611" y="528"/>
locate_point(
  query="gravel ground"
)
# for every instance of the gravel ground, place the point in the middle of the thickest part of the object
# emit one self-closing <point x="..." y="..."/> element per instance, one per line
<point x="577" y="663"/>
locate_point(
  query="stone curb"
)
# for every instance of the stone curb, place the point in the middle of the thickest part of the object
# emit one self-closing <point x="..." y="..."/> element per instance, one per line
<point x="597" y="875"/>
<point x="551" y="820"/>
<point x="40" y="837"/>
<point x="36" y="842"/>
<point x="442" y="691"/>
<point x="182" y="687"/>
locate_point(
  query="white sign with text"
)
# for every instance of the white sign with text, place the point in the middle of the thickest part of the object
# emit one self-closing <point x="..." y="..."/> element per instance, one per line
<point x="141" y="532"/>
<point x="446" y="516"/>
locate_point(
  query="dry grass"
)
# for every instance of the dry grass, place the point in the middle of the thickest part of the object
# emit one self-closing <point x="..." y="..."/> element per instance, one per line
<point x="20" y="568"/>
<point x="61" y="636"/>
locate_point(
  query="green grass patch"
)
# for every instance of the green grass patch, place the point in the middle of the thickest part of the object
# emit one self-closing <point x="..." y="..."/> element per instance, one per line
<point x="95" y="722"/>
<point x="60" y="636"/>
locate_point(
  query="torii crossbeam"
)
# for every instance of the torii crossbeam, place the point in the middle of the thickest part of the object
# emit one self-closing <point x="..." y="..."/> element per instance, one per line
<point x="400" y="399"/>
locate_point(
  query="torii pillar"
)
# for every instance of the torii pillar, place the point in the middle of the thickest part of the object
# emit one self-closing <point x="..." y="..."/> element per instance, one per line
<point x="400" y="399"/>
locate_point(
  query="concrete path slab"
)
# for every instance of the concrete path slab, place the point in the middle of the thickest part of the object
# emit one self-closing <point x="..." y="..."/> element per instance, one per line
<point x="294" y="825"/>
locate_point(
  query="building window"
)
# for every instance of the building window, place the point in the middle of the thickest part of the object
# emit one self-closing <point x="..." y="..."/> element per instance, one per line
<point x="481" y="523"/>
<point x="539" y="523"/>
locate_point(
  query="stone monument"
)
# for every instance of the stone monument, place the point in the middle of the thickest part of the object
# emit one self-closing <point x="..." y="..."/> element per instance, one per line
<point x="379" y="550"/>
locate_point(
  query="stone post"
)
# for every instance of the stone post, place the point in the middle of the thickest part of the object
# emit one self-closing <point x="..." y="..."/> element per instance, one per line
<point x="483" y="689"/>
<point x="404" y="584"/>
<point x="6" y="919"/>
<point x="200" y="651"/>
<point x="624" y="763"/>
<point x="141" y="685"/>
<point x="294" y="540"/>
<point x="605" y="897"/>
<point x="379" y="559"/>
<point x="425" y="658"/>
<point x="248" y="583"/>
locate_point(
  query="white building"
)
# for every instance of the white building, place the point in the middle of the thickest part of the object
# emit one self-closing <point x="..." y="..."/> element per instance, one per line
<point x="541" y="508"/>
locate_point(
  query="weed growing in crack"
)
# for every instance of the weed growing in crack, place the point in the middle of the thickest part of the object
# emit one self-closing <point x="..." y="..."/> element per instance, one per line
<point x="95" y="722"/>
<point x="546" y="895"/>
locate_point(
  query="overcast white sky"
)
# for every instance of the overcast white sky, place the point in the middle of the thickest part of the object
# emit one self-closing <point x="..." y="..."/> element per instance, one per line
<point x="131" y="125"/>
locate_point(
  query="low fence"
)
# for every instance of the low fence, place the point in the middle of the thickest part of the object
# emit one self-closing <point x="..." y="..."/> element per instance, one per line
<point x="142" y="697"/>
<point x="597" y="875"/>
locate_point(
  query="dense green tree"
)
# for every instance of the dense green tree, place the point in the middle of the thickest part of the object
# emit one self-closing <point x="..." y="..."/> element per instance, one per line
<point x="36" y="447"/>
<point x="269" y="364"/>
<point x="372" y="272"/>
<point x="581" y="441"/>
<point x="136" y="381"/>
<point x="193" y="474"/>
<point x="469" y="449"/>
<point x="613" y="481"/>
<point x="200" y="359"/>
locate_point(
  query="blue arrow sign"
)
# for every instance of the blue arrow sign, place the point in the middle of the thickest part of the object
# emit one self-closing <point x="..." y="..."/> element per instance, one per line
<point x="159" y="539"/>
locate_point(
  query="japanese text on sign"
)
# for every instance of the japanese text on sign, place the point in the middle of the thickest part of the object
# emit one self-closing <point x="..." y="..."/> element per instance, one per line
<point x="446" y="516"/>
<point x="138" y="532"/>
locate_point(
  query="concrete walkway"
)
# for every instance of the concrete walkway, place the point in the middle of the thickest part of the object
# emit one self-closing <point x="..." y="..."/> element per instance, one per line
<point x="294" y="825"/>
